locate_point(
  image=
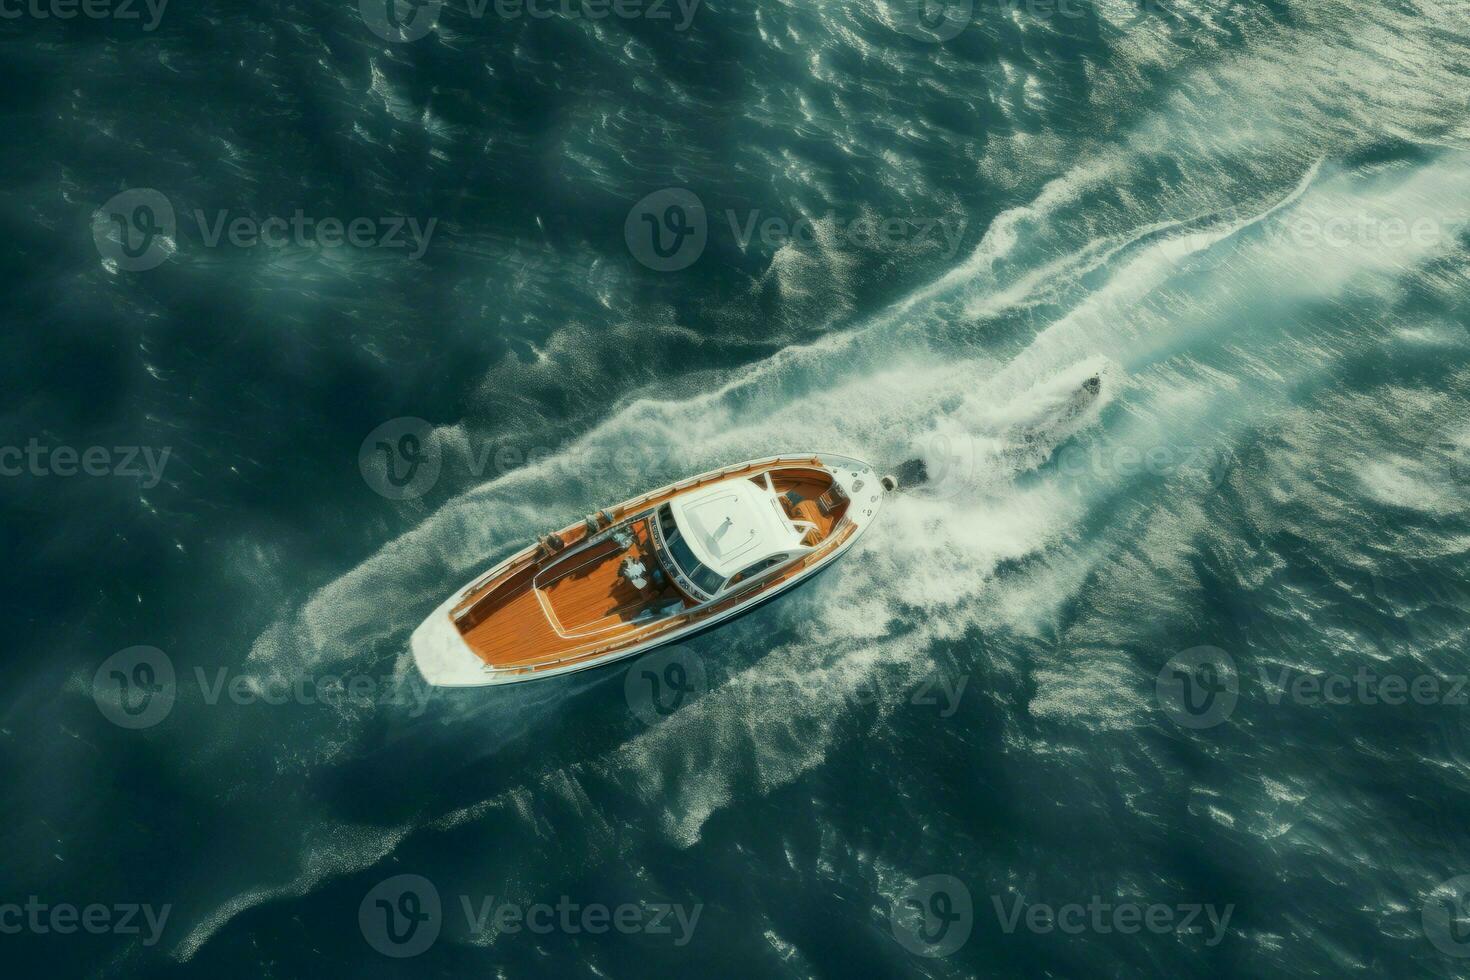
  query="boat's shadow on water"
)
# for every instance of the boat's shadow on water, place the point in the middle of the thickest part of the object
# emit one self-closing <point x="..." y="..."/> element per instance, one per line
<point x="443" y="749"/>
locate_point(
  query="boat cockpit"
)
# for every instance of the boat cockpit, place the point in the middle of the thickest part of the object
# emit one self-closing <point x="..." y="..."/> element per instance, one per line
<point x="728" y="536"/>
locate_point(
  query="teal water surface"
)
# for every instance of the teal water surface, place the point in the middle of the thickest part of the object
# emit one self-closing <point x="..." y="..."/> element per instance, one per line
<point x="1165" y="682"/>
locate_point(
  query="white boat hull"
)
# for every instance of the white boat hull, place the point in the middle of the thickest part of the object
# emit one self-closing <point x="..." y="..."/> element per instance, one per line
<point x="446" y="660"/>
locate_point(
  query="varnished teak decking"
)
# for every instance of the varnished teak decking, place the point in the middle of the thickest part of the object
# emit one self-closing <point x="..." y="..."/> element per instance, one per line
<point x="510" y="620"/>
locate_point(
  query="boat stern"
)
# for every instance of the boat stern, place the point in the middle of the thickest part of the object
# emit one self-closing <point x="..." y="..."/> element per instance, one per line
<point x="862" y="484"/>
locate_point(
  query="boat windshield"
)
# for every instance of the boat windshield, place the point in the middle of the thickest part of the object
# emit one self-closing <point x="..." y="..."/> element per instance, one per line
<point x="704" y="578"/>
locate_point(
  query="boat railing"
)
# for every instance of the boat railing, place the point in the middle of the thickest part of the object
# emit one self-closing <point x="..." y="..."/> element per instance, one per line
<point x="839" y="532"/>
<point x="720" y="474"/>
<point x="628" y="511"/>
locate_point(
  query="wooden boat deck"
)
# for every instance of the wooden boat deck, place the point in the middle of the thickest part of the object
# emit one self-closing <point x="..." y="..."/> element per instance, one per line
<point x="585" y="593"/>
<point x="542" y="610"/>
<point x="567" y="602"/>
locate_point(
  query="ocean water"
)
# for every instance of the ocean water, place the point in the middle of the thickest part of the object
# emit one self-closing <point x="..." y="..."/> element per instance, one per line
<point x="1166" y="682"/>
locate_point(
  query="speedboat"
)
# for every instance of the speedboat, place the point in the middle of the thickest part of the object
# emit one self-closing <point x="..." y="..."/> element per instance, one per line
<point x="652" y="570"/>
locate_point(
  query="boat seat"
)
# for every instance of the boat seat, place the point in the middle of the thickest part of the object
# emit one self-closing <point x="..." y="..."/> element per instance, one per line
<point x="804" y="509"/>
<point x="832" y="499"/>
<point x="807" y="510"/>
